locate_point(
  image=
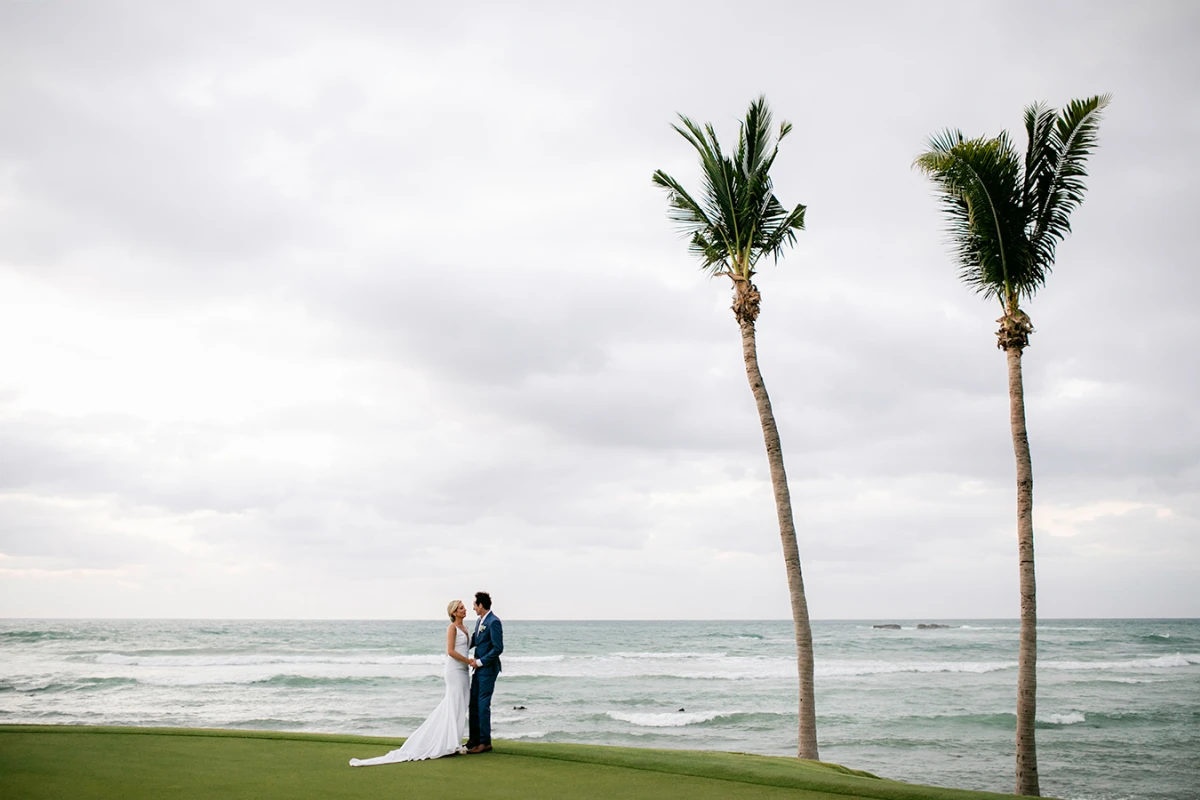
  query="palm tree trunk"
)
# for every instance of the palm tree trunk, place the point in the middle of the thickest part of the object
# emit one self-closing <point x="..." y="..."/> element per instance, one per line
<point x="1027" y="771"/>
<point x="791" y="552"/>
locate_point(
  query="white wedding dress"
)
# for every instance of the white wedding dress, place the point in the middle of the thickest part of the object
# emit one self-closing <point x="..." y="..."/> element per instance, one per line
<point x="441" y="734"/>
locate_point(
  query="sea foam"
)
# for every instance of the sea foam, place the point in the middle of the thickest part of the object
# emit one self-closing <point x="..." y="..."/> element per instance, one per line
<point x="1162" y="662"/>
<point x="676" y="719"/>
<point x="258" y="659"/>
<point x="862" y="668"/>
<point x="1069" y="718"/>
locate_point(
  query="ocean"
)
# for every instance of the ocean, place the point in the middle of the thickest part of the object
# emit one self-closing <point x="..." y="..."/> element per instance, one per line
<point x="1118" y="708"/>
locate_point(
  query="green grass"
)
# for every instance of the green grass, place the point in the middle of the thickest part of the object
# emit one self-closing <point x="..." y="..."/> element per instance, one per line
<point x="132" y="763"/>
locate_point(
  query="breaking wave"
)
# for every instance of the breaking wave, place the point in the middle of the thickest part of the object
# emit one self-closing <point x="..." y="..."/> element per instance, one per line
<point x="256" y="659"/>
<point x="1070" y="718"/>
<point x="1162" y="662"/>
<point x="677" y="719"/>
<point x="35" y="636"/>
<point x="680" y="719"/>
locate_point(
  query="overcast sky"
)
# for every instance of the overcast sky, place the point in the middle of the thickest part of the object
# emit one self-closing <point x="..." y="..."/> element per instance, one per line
<point x="344" y="310"/>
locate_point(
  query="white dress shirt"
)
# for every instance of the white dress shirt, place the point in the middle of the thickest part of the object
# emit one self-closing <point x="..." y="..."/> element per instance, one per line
<point x="479" y="626"/>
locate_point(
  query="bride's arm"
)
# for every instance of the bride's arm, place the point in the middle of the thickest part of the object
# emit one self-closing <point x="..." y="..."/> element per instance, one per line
<point x="450" y="651"/>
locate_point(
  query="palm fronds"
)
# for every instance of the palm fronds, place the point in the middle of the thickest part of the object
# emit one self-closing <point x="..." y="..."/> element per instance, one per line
<point x="1005" y="218"/>
<point x="739" y="219"/>
<point x="1058" y="187"/>
<point x="978" y="179"/>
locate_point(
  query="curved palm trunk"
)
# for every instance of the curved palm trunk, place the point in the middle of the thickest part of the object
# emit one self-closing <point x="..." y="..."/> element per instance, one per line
<point x="791" y="552"/>
<point x="1027" y="771"/>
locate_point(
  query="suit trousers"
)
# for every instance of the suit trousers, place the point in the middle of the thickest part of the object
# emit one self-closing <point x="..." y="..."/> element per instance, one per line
<point x="483" y="683"/>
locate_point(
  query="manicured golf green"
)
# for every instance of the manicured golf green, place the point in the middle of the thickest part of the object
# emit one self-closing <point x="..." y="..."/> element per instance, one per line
<point x="83" y="763"/>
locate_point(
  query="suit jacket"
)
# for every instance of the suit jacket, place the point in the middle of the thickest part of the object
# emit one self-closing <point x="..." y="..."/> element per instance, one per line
<point x="488" y="641"/>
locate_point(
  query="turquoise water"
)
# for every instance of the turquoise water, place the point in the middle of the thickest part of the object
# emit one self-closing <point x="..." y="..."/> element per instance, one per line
<point x="1119" y="700"/>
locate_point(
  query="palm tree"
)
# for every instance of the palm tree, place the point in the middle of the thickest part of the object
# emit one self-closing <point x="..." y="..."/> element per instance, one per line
<point x="1006" y="219"/>
<point x="736" y="222"/>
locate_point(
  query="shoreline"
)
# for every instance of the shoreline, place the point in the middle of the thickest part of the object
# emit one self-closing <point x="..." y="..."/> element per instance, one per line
<point x="571" y="621"/>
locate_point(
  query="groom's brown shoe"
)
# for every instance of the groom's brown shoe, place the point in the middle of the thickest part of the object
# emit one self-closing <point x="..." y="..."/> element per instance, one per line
<point x="479" y="748"/>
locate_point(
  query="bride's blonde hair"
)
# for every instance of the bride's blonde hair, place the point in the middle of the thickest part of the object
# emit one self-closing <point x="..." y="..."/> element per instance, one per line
<point x="454" y="606"/>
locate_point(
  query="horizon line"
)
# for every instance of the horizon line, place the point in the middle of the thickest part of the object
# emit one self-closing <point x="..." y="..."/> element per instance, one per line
<point x="581" y="619"/>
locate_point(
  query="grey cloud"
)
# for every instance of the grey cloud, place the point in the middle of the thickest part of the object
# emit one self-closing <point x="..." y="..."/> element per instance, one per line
<point x="44" y="535"/>
<point x="462" y="201"/>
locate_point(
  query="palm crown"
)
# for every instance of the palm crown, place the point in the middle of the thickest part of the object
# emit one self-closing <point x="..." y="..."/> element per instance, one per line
<point x="1006" y="219"/>
<point x="738" y="219"/>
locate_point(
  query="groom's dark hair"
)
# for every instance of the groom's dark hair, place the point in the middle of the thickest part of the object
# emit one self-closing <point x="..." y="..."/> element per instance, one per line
<point x="484" y="599"/>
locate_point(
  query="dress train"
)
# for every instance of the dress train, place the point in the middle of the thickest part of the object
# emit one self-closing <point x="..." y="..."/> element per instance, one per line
<point x="442" y="732"/>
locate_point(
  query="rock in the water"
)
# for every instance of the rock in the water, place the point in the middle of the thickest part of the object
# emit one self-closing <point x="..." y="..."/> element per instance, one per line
<point x="930" y="626"/>
<point x="891" y="626"/>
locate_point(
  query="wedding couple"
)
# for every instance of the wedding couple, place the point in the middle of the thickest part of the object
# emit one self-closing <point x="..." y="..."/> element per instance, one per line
<point x="442" y="733"/>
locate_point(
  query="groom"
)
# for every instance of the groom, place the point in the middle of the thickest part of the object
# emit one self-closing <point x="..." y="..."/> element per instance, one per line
<point x="488" y="641"/>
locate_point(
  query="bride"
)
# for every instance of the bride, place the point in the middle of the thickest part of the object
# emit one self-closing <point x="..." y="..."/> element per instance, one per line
<point x="442" y="733"/>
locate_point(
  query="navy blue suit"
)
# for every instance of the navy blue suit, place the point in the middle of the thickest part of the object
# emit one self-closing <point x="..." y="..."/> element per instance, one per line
<point x="488" y="641"/>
